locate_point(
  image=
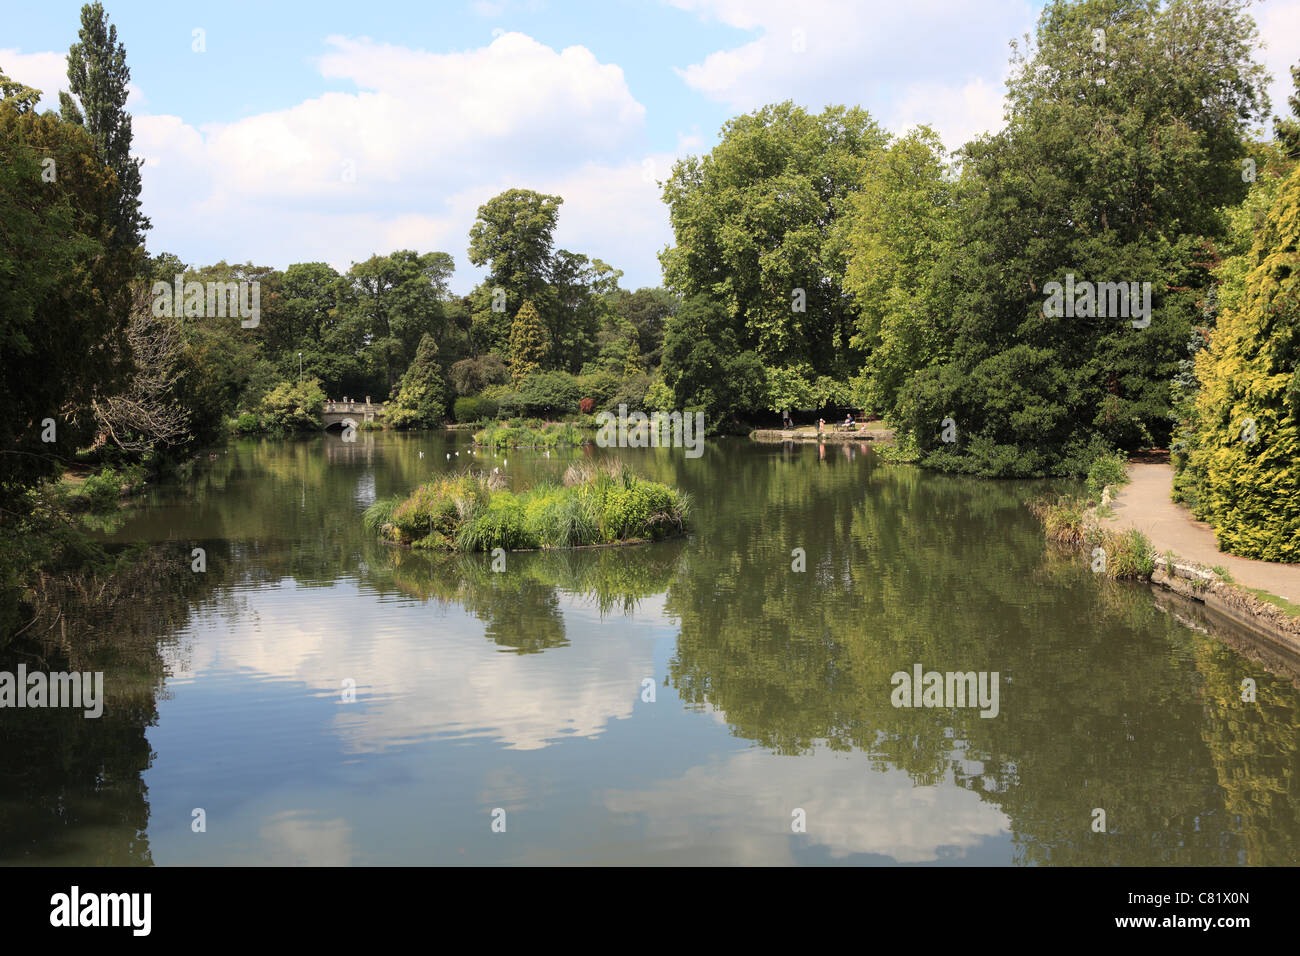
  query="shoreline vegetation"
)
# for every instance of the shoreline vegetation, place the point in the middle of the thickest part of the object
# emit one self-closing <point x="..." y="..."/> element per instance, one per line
<point x="593" y="506"/>
<point x="532" y="435"/>
<point x="1074" y="522"/>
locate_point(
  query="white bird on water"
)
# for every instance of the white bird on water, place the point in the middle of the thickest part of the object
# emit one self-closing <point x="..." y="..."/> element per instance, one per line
<point x="503" y="462"/>
<point x="421" y="454"/>
<point x="496" y="471"/>
<point x="457" y="454"/>
<point x="449" y="456"/>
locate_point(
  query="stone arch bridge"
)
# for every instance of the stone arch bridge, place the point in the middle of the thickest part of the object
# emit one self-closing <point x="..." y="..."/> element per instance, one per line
<point x="338" y="414"/>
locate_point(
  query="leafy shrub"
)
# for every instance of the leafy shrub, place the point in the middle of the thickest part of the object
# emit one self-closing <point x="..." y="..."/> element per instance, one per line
<point x="105" y="488"/>
<point x="474" y="408"/>
<point x="247" y="423"/>
<point x="632" y="393"/>
<point x="659" y="398"/>
<point x="549" y="393"/>
<point x="510" y="405"/>
<point x="600" y="386"/>
<point x="294" y="406"/>
<point x="470" y="376"/>
<point x="1109" y="469"/>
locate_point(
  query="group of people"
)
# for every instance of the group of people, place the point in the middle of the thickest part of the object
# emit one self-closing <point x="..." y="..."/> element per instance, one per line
<point x="849" y="424"/>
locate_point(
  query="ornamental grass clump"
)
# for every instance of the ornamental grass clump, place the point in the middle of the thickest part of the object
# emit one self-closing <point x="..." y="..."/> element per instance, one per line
<point x="476" y="512"/>
<point x="547" y="435"/>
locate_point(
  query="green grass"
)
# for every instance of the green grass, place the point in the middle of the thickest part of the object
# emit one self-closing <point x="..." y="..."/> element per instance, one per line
<point x="1288" y="606"/>
<point x="1223" y="573"/>
<point x="1128" y="553"/>
<point x="380" y="513"/>
<point x="1062" y="519"/>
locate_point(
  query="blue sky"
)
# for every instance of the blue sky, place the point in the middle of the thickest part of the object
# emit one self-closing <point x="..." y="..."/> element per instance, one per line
<point x="334" y="130"/>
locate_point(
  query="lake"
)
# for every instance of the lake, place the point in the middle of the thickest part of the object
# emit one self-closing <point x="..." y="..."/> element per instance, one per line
<point x="314" y="696"/>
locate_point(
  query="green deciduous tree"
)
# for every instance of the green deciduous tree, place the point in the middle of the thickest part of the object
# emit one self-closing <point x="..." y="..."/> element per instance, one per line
<point x="1115" y="166"/>
<point x="64" y="289"/>
<point x="898" y="238"/>
<point x="394" y="300"/>
<point x="512" y="236"/>
<point x="705" y="366"/>
<point x="648" y="309"/>
<point x="575" y="307"/>
<point x="755" y="226"/>
<point x="1287" y="129"/>
<point x="293" y="406"/>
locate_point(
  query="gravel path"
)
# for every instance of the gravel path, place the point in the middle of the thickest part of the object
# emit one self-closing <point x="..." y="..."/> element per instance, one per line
<point x="1144" y="504"/>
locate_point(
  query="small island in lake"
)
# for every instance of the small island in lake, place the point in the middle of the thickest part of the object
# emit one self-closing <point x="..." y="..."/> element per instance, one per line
<point x="595" y="505"/>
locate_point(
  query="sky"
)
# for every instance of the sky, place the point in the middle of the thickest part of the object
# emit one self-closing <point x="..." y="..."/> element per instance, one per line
<point x="330" y="131"/>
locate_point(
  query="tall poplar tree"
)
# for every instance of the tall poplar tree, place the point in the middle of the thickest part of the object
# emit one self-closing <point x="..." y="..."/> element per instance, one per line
<point x="98" y="77"/>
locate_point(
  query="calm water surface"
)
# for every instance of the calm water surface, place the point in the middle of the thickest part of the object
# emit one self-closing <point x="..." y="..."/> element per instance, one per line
<point x="526" y="690"/>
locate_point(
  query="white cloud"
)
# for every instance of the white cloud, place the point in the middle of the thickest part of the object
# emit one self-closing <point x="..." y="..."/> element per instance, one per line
<point x="940" y="62"/>
<point x="48" y="72"/>
<point x="1279" y="26"/>
<point x="425" y="671"/>
<point x="406" y="159"/>
<point x="958" y="112"/>
<point x="736" y="810"/>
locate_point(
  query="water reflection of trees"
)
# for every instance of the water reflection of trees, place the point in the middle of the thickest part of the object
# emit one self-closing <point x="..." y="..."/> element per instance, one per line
<point x="71" y="786"/>
<point x="1106" y="702"/>
<point x="521" y="608"/>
